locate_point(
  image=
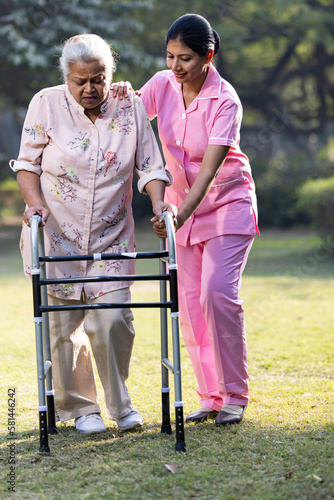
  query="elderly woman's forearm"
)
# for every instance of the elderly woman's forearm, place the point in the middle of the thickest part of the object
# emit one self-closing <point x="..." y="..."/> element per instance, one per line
<point x="29" y="185"/>
<point x="156" y="190"/>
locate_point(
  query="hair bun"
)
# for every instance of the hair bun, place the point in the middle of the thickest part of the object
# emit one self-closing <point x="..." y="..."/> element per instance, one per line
<point x="217" y="41"/>
<point x="195" y="32"/>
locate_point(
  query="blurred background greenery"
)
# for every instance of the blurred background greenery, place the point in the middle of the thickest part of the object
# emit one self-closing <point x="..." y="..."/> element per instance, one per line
<point x="278" y="55"/>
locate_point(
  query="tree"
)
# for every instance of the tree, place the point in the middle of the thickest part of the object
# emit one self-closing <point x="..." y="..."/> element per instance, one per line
<point x="32" y="32"/>
<point x="278" y="55"/>
<point x="280" y="58"/>
<point x="31" y="36"/>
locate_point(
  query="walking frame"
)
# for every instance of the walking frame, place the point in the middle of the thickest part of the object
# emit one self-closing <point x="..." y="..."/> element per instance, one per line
<point x="46" y="408"/>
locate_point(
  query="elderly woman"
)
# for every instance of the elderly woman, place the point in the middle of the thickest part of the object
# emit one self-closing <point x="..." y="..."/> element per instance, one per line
<point x="78" y="151"/>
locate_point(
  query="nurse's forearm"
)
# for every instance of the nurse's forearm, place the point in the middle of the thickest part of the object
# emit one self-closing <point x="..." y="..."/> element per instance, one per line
<point x="212" y="163"/>
<point x="194" y="198"/>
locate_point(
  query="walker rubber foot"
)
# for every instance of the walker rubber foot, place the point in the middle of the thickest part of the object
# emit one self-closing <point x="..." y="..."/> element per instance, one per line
<point x="44" y="450"/>
<point x="181" y="447"/>
<point x="166" y="429"/>
<point x="52" y="430"/>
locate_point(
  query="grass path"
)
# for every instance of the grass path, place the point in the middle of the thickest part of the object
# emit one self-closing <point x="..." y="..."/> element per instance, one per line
<point x="284" y="448"/>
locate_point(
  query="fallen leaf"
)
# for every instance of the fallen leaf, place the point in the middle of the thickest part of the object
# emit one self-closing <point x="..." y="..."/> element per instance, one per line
<point x="171" y="467"/>
<point x="254" y="400"/>
<point x="315" y="478"/>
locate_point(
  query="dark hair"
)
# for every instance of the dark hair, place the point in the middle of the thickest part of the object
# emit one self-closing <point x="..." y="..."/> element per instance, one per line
<point x="195" y="32"/>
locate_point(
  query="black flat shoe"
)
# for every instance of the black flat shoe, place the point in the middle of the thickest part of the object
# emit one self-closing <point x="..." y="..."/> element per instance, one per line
<point x="201" y="415"/>
<point x="224" y="418"/>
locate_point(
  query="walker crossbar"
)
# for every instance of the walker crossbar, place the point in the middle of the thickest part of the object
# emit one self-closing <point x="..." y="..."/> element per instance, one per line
<point x="107" y="256"/>
<point x="91" y="279"/>
<point x="115" y="305"/>
<point x="41" y="310"/>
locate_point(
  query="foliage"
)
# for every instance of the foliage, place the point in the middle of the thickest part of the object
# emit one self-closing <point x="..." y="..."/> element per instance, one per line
<point x="278" y="181"/>
<point x="9" y="184"/>
<point x="316" y="198"/>
<point x="280" y="58"/>
<point x="278" y="55"/>
<point x="11" y="201"/>
<point x="31" y="34"/>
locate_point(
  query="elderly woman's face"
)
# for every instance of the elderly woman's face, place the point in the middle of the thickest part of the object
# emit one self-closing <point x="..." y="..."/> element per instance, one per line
<point x="89" y="83"/>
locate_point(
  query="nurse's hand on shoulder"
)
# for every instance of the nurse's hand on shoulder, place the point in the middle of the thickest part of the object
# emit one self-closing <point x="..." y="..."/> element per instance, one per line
<point x="121" y="89"/>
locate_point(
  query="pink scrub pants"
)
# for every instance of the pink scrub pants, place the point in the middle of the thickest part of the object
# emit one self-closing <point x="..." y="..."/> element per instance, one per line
<point x="212" y="317"/>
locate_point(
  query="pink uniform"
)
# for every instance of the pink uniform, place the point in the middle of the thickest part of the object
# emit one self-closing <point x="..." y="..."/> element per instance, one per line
<point x="213" y="244"/>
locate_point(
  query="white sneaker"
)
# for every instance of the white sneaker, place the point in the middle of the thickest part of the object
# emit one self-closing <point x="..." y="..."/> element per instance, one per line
<point x="89" y="424"/>
<point x="130" y="421"/>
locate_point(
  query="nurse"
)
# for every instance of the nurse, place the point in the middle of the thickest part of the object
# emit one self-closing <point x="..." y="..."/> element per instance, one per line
<point x="199" y="117"/>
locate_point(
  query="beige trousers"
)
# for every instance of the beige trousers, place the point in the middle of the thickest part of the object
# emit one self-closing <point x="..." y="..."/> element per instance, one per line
<point x="111" y="335"/>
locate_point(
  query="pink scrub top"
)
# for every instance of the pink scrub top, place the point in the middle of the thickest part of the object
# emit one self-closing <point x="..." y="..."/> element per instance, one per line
<point x="214" y="117"/>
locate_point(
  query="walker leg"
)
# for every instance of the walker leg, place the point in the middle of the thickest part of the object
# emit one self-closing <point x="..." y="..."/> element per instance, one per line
<point x="52" y="429"/>
<point x="42" y="408"/>
<point x="38" y="320"/>
<point x="179" y="422"/>
<point x="46" y="340"/>
<point x="166" y="427"/>
<point x="179" y="427"/>
<point x="43" y="431"/>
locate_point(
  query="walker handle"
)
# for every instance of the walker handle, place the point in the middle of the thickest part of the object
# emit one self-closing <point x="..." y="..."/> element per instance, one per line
<point x="35" y="221"/>
<point x="168" y="219"/>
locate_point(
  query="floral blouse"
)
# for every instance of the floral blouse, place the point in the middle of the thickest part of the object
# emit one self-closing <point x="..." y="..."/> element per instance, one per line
<point x="86" y="172"/>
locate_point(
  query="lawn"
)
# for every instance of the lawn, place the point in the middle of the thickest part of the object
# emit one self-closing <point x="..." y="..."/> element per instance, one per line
<point x="284" y="448"/>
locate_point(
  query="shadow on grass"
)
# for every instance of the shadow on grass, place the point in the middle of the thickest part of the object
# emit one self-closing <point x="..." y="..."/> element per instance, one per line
<point x="251" y="436"/>
<point x="253" y="460"/>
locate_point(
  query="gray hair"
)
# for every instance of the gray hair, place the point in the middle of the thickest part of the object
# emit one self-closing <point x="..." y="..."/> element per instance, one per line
<point x="86" y="48"/>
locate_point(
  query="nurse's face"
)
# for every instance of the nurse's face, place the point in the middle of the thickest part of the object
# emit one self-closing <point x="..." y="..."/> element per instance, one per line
<point x="188" y="66"/>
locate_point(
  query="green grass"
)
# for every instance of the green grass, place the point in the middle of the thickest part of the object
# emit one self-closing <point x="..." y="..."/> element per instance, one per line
<point x="284" y="448"/>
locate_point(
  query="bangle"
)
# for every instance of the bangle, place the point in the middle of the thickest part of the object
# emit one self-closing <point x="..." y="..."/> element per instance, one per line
<point x="176" y="224"/>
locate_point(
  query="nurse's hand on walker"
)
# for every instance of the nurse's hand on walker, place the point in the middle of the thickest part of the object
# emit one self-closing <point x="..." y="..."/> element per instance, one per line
<point x="159" y="225"/>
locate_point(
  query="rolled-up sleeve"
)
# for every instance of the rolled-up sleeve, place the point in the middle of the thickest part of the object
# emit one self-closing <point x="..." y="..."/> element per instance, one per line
<point x="148" y="97"/>
<point x="226" y="126"/>
<point x="149" y="163"/>
<point x="34" y="137"/>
